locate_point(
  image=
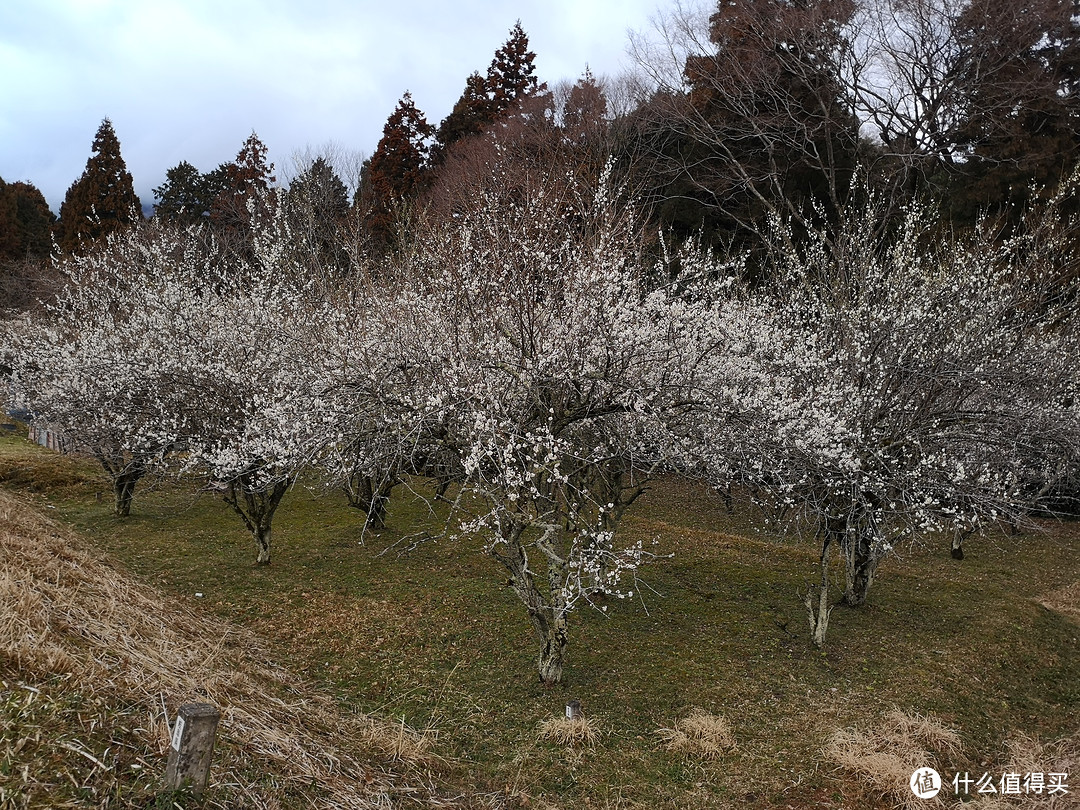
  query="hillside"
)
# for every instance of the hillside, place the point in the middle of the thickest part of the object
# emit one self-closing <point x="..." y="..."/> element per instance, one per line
<point x="94" y="664"/>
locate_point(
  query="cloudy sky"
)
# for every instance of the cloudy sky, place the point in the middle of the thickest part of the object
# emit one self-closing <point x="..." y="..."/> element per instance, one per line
<point x="191" y="79"/>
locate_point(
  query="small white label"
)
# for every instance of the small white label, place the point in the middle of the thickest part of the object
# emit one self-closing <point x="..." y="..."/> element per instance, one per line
<point x="177" y="732"/>
<point x="569" y="713"/>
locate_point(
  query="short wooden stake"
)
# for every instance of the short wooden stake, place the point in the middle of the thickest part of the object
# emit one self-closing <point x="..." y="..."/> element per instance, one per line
<point x="573" y="710"/>
<point x="191" y="747"/>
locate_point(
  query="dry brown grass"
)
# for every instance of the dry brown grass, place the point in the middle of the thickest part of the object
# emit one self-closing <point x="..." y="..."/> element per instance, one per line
<point x="1026" y="754"/>
<point x="82" y="646"/>
<point x="884" y="756"/>
<point x="1065" y="601"/>
<point x="699" y="734"/>
<point x="581" y="730"/>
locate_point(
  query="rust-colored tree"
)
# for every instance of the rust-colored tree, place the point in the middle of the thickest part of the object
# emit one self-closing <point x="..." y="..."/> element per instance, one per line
<point x="397" y="171"/>
<point x="510" y="78"/>
<point x="242" y="181"/>
<point x="102" y="200"/>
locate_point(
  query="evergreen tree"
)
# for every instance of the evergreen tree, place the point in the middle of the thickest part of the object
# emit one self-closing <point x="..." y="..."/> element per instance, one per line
<point x="103" y="199"/>
<point x="33" y="220"/>
<point x="9" y="237"/>
<point x="471" y="115"/>
<point x="25" y="243"/>
<point x="239" y="182"/>
<point x="584" y="113"/>
<point x="511" y="74"/>
<point x="186" y="196"/>
<point x="318" y="205"/>
<point x="397" y="170"/>
<point x="510" y="78"/>
<point x="1022" y="106"/>
<point x="759" y="127"/>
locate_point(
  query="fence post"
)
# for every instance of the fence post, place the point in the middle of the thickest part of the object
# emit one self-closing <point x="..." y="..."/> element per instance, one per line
<point x="191" y="747"/>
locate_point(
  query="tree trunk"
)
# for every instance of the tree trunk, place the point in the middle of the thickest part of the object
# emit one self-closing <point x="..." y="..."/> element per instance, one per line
<point x="863" y="551"/>
<point x="553" y="642"/>
<point x="256" y="508"/>
<point x="958" y="546"/>
<point x="124" y="472"/>
<point x="371" y="496"/>
<point x="124" y="490"/>
<point x="549" y="618"/>
<point x="262" y="544"/>
<point x="819" y="613"/>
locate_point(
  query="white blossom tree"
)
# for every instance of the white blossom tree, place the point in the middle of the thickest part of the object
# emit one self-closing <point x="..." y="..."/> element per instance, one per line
<point x="83" y="364"/>
<point x="523" y="339"/>
<point x="159" y="344"/>
<point x="897" y="388"/>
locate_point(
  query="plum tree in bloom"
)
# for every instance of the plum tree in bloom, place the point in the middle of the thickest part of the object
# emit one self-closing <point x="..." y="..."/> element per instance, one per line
<point x="84" y="366"/>
<point x="904" y="387"/>
<point x="159" y="343"/>
<point x="527" y="339"/>
<point x="232" y="346"/>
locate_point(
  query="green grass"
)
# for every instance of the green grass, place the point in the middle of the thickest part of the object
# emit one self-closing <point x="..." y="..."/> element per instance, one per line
<point x="431" y="635"/>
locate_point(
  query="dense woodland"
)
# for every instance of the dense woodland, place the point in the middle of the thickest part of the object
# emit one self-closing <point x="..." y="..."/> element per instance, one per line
<point x="819" y="250"/>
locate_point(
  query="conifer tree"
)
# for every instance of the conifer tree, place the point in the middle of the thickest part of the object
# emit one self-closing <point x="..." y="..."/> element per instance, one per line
<point x="584" y="112"/>
<point x="511" y="74"/>
<point x="471" y="115"/>
<point x="103" y="199"/>
<point x="318" y="205"/>
<point x="397" y="170"/>
<point x="510" y="78"/>
<point x="186" y="196"/>
<point x="240" y="181"/>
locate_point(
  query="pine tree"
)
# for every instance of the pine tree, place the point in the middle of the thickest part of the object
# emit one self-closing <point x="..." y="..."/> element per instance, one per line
<point x="103" y="199"/>
<point x="397" y="170"/>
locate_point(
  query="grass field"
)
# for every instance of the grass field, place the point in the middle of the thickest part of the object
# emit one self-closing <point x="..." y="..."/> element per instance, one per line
<point x="429" y="636"/>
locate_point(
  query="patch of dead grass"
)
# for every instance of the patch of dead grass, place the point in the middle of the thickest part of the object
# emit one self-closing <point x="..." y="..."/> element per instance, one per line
<point x="568" y="732"/>
<point x="1065" y="601"/>
<point x="699" y="734"/>
<point x="1026" y="754"/>
<point x="884" y="756"/>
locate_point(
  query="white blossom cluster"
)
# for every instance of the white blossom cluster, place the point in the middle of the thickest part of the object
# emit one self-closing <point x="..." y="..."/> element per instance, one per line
<point x="885" y="381"/>
<point x="893" y="385"/>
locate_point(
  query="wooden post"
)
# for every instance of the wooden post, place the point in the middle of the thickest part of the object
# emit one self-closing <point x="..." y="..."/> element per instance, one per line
<point x="191" y="748"/>
<point x="573" y="710"/>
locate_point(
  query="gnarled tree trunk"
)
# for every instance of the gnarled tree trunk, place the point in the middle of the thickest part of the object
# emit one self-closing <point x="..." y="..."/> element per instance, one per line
<point x="548" y="616"/>
<point x="125" y="471"/>
<point x="256" y="507"/>
<point x="371" y="495"/>
<point x="863" y="551"/>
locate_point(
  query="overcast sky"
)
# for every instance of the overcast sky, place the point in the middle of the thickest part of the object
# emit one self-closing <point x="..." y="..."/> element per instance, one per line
<point x="191" y="79"/>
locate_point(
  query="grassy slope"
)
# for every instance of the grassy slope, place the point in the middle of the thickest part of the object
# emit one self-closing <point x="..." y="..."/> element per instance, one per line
<point x="431" y="637"/>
